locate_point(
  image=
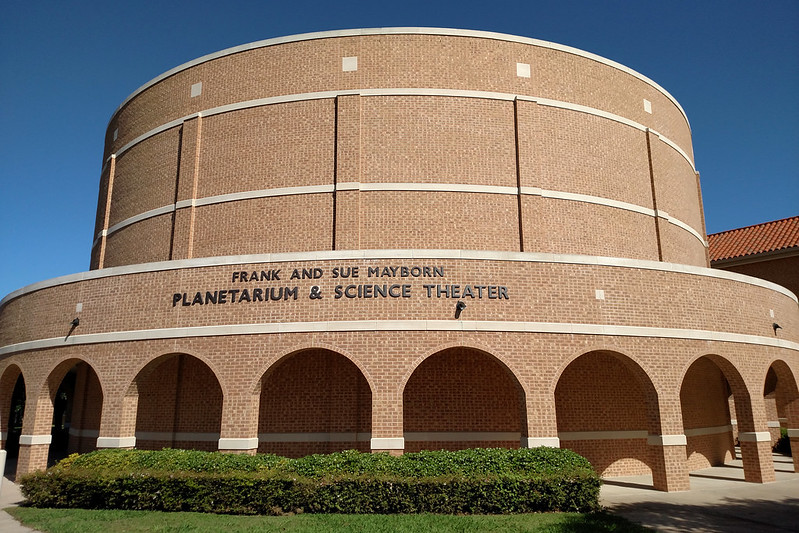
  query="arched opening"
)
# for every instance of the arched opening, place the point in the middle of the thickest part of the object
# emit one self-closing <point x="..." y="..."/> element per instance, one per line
<point x="77" y="400"/>
<point x="781" y="397"/>
<point x="707" y="403"/>
<point x="12" y="413"/>
<point x="462" y="398"/>
<point x="775" y="410"/>
<point x="179" y="404"/>
<point x="314" y="401"/>
<point x="606" y="407"/>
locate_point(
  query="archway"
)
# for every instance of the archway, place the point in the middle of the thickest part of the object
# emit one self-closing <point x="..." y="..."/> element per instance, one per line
<point x="606" y="407"/>
<point x="179" y="404"/>
<point x="707" y="403"/>
<point x="781" y="397"/>
<point x="462" y="398"/>
<point x="314" y="401"/>
<point x="77" y="401"/>
<point x="12" y="411"/>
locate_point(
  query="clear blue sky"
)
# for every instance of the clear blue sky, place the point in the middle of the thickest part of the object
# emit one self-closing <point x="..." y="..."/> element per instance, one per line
<point x="65" y="67"/>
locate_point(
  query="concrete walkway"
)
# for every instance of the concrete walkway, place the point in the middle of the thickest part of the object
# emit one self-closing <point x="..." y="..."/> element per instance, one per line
<point x="719" y="501"/>
<point x="10" y="496"/>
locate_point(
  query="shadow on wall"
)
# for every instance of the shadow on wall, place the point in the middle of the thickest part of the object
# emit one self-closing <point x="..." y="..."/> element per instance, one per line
<point x="728" y="515"/>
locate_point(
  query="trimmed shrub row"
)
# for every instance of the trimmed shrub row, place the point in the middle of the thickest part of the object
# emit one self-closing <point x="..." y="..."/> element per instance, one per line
<point x="484" y="481"/>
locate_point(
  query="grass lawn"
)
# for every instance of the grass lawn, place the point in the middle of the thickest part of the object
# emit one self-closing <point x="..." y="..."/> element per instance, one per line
<point x="88" y="521"/>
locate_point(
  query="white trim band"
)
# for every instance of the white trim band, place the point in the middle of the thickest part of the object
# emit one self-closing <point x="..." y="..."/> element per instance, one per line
<point x="793" y="433"/>
<point x="408" y="91"/>
<point x="754" y="436"/>
<point x="3" y="435"/>
<point x="602" y="435"/>
<point x="698" y="432"/>
<point x="315" y="437"/>
<point x="383" y="443"/>
<point x="667" y="440"/>
<point x="396" y="186"/>
<point x="402" y="31"/>
<point x="462" y="436"/>
<point x="397" y="325"/>
<point x="238" y="444"/>
<point x="178" y="436"/>
<point x="773" y="424"/>
<point x="538" y="442"/>
<point x="31" y="440"/>
<point x="116" y="442"/>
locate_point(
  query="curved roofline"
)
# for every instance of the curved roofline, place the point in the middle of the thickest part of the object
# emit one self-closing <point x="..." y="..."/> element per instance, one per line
<point x="398" y="31"/>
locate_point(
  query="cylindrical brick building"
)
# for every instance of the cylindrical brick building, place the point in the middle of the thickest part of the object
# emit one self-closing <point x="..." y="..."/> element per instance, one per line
<point x="403" y="239"/>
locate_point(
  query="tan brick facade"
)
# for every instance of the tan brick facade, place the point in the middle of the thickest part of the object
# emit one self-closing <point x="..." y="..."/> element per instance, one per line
<point x="279" y="258"/>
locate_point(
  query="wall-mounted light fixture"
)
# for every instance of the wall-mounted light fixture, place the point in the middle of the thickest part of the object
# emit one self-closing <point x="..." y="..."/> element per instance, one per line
<point x="75" y="322"/>
<point x="776" y="327"/>
<point x="459" y="307"/>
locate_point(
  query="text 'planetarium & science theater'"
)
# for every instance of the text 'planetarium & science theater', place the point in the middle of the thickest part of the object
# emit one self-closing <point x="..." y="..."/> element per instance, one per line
<point x="401" y="239"/>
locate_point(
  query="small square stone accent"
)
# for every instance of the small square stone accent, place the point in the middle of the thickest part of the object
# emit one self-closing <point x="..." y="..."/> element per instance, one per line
<point x="349" y="64"/>
<point x="116" y="134"/>
<point x="600" y="294"/>
<point x="523" y="70"/>
<point x="197" y="89"/>
<point x="647" y="106"/>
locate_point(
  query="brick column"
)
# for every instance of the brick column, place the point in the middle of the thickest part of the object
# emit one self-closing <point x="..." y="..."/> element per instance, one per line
<point x="239" y="432"/>
<point x="668" y="444"/>
<point x="541" y="423"/>
<point x="669" y="465"/>
<point x="34" y="442"/>
<point x="387" y="423"/>
<point x="793" y="435"/>
<point x="118" y="422"/>
<point x="756" y="455"/>
<point x="186" y="189"/>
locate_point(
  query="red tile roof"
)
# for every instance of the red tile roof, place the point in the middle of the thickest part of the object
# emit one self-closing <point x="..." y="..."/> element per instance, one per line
<point x="757" y="239"/>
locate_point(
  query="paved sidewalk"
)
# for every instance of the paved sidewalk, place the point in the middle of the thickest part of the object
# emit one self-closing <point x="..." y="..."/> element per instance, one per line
<point x="719" y="501"/>
<point x="10" y="496"/>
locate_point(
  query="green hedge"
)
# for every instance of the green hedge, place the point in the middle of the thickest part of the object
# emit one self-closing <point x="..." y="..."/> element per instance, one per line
<point x="485" y="481"/>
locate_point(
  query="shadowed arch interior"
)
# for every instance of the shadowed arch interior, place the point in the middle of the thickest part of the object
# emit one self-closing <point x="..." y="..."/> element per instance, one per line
<point x="12" y="409"/>
<point x="314" y="401"/>
<point x="462" y="398"/>
<point x="606" y="407"/>
<point x="707" y="412"/>
<point x="168" y="391"/>
<point x="781" y="396"/>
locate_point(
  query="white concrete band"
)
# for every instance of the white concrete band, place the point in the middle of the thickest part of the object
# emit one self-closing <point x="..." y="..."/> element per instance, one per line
<point x="238" y="444"/>
<point x="698" y="432"/>
<point x="396" y="325"/>
<point x="452" y="93"/>
<point x="315" y="437"/>
<point x="383" y="186"/>
<point x="345" y="255"/>
<point x="3" y="435"/>
<point x="793" y="433"/>
<point x="462" y="436"/>
<point x="602" y="435"/>
<point x="667" y="440"/>
<point x="116" y="442"/>
<point x="537" y="442"/>
<point x="31" y="440"/>
<point x="395" y="443"/>
<point x="754" y="436"/>
<point x="773" y="424"/>
<point x="168" y="435"/>
<point x="401" y="31"/>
